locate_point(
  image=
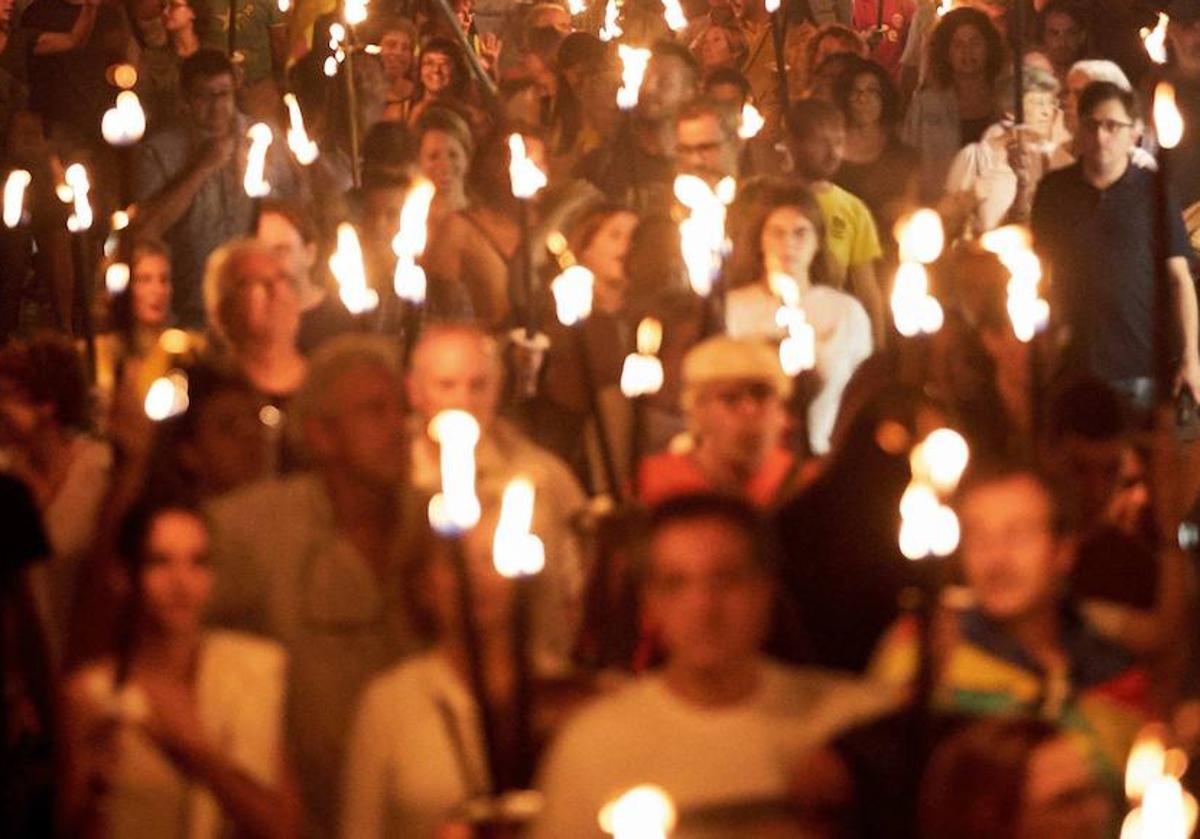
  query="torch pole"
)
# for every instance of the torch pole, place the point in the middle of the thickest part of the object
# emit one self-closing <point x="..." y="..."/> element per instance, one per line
<point x="525" y="261"/>
<point x="352" y="107"/>
<point x="523" y="763"/>
<point x="607" y="461"/>
<point x="778" y="37"/>
<point x="637" y="434"/>
<point x="1163" y="369"/>
<point x="1019" y="61"/>
<point x="84" y="280"/>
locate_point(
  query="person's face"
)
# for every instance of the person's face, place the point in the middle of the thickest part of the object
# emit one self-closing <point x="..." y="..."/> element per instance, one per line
<point x="396" y="53"/>
<point x="295" y="255"/>
<point x="703" y="149"/>
<point x="176" y="576"/>
<point x="464" y="10"/>
<point x="1091" y="470"/>
<point x="1041" y="109"/>
<point x="1107" y="136"/>
<point x="605" y="254"/>
<point x="1064" y="39"/>
<point x="866" y="100"/>
<point x="598" y="93"/>
<point x="211" y="104"/>
<point x="1062" y="798"/>
<point x="150" y="290"/>
<point x="20" y="416"/>
<point x="364" y="431"/>
<point x="228" y="448"/>
<point x="789" y="242"/>
<point x="455" y="373"/>
<point x="437" y="71"/>
<point x="665" y="87"/>
<point x="443" y="160"/>
<point x="381" y="215"/>
<point x="705" y="595"/>
<point x="817" y="154"/>
<point x="263" y="304"/>
<point x="739" y="421"/>
<point x="177" y="15"/>
<point x="1012" y="559"/>
<point x="1184" y="37"/>
<point x="968" y="51"/>
<point x="715" y="50"/>
<point x="6" y="7"/>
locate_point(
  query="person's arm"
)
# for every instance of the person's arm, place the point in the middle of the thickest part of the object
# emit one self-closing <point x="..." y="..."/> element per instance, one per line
<point x="162" y="210"/>
<point x="1185" y="302"/>
<point x="50" y="43"/>
<point x="865" y="287"/>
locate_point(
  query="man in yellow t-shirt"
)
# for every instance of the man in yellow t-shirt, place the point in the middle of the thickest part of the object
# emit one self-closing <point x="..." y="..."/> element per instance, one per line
<point x="816" y="137"/>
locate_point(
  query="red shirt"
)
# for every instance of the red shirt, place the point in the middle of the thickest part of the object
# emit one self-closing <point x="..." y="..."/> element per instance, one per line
<point x="668" y="474"/>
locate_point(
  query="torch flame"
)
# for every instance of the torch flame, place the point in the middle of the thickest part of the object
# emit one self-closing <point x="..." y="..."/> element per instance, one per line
<point x="944" y="6"/>
<point x="410" y="239"/>
<point x="914" y="310"/>
<point x="927" y="525"/>
<point x="1155" y="40"/>
<point x="516" y="552"/>
<point x="702" y="234"/>
<point x="285" y="6"/>
<point x="674" y="16"/>
<point x="633" y="69"/>
<point x="921" y="236"/>
<point x="298" y="141"/>
<point x="1147" y="761"/>
<point x="456" y="508"/>
<point x="167" y="396"/>
<point x="611" y="30"/>
<point x="14" y="196"/>
<point x="124" y="124"/>
<point x="649" y="336"/>
<point x="644" y="812"/>
<point x="524" y="175"/>
<point x="576" y="7"/>
<point x="255" y="181"/>
<point x="572" y="290"/>
<point x="750" y="123"/>
<point x="642" y="373"/>
<point x="1168" y="122"/>
<point x="355" y="11"/>
<point x="772" y="6"/>
<point x="77" y="179"/>
<point x="346" y="263"/>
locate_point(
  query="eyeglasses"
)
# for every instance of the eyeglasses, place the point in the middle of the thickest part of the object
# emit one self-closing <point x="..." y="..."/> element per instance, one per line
<point x="1108" y="126"/>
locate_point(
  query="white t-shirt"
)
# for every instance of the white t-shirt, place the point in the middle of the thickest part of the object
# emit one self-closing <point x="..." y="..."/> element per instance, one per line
<point x="645" y="734"/>
<point x="843" y="333"/>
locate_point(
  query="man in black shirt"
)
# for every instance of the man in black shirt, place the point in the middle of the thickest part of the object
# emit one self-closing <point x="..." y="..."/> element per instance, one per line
<point x="1094" y="227"/>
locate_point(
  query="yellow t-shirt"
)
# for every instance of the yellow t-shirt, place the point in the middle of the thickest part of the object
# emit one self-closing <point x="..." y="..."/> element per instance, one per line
<point x="850" y="234"/>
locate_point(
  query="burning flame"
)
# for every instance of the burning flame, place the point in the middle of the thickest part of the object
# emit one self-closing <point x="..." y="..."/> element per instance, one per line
<point x="633" y="69"/>
<point x="928" y="527"/>
<point x="1162" y="808"/>
<point x="572" y="290"/>
<point x="611" y="30"/>
<point x="944" y="6"/>
<point x="914" y="310"/>
<point x="702" y="234"/>
<point x="674" y="16"/>
<point x="516" y="552"/>
<point x="14" y="196"/>
<point x="772" y="6"/>
<point x="456" y="508"/>
<point x="298" y="141"/>
<point x="355" y="11"/>
<point x="1147" y="761"/>
<point x="1168" y="122"/>
<point x="644" y="812"/>
<point x="167" y="396"/>
<point x="526" y="178"/>
<point x="1028" y="312"/>
<point x="124" y="124"/>
<point x="921" y="236"/>
<point x="750" y="123"/>
<point x="408" y="244"/>
<point x="346" y="263"/>
<point x="1155" y="40"/>
<point x="576" y="7"/>
<point x="116" y="277"/>
<point x="77" y="180"/>
<point x="255" y="182"/>
<point x="285" y="6"/>
<point x="642" y="374"/>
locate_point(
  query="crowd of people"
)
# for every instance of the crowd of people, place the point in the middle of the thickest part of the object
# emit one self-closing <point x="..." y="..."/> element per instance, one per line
<point x="227" y="606"/>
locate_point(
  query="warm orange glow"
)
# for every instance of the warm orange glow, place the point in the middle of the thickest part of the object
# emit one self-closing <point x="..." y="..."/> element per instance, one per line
<point x="304" y="149"/>
<point x="14" y="196"/>
<point x="524" y="175"/>
<point x="633" y="69"/>
<point x="346" y="264"/>
<point x="516" y="551"/>
<point x="1168" y="122"/>
<point x="456" y="508"/>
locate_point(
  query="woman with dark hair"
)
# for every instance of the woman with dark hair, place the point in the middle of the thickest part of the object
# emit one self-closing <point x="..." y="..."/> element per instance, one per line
<point x="44" y="442"/>
<point x="784" y="263"/>
<point x="876" y="165"/>
<point x="443" y="77"/>
<point x="958" y="100"/>
<point x="178" y="731"/>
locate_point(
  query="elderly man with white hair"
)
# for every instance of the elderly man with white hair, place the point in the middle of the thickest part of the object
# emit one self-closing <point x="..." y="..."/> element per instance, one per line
<point x="315" y="560"/>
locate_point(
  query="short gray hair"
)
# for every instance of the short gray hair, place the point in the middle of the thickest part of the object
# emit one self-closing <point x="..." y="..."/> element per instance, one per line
<point x="330" y="361"/>
<point x="220" y="271"/>
<point x="1100" y="70"/>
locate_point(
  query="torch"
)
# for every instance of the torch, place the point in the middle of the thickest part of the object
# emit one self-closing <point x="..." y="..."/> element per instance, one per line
<point x="409" y="280"/>
<point x="519" y="555"/>
<point x="644" y="812"/>
<point x="526" y="180"/>
<point x="15" y="185"/>
<point x="778" y="13"/>
<point x="915" y="312"/>
<point x="702" y="240"/>
<point x="452" y="513"/>
<point x="641" y="377"/>
<point x="254" y="180"/>
<point x="79" y="222"/>
<point x="303" y="148"/>
<point x="1168" y="125"/>
<point x="346" y="264"/>
<point x="1160" y="808"/>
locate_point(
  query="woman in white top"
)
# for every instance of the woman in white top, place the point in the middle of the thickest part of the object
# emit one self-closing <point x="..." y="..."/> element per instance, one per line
<point x="416" y="751"/>
<point x="178" y="734"/>
<point x="786" y="236"/>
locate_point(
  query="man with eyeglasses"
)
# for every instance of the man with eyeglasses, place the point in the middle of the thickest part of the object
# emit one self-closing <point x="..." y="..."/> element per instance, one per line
<point x="1094" y="226"/>
<point x="733" y="402"/>
<point x="189" y="177"/>
<point x="706" y="141"/>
